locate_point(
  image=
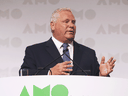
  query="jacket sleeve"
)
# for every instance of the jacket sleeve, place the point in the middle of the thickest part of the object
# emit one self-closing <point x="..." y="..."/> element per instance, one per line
<point x="30" y="64"/>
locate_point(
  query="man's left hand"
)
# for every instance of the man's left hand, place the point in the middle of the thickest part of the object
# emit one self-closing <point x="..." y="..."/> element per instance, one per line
<point x="106" y="68"/>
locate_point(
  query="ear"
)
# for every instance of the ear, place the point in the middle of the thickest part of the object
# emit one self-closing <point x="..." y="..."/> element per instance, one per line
<point x="52" y="24"/>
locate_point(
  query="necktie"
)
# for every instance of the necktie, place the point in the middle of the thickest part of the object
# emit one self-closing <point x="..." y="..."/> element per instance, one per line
<point x="65" y="58"/>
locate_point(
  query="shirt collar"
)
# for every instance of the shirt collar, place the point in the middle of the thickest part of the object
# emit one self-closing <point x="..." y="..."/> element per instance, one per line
<point x="59" y="44"/>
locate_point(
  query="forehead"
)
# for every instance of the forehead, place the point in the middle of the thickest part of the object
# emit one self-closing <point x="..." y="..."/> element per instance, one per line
<point x="66" y="15"/>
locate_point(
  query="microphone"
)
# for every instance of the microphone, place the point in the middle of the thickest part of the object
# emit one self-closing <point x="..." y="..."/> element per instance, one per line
<point x="20" y="72"/>
<point x="75" y="64"/>
<point x="43" y="68"/>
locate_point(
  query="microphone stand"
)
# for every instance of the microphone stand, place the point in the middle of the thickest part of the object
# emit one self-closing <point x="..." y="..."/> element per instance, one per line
<point x="50" y="63"/>
<point x="76" y="64"/>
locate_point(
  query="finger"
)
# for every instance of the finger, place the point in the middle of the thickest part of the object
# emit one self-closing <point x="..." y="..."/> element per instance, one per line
<point x="68" y="66"/>
<point x="66" y="62"/>
<point x="102" y="60"/>
<point x="113" y="61"/>
<point x="64" y="73"/>
<point x="112" y="66"/>
<point x="110" y="70"/>
<point x="68" y="70"/>
<point x="110" y="60"/>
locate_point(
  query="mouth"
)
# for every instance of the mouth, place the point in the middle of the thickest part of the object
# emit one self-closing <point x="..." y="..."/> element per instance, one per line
<point x="71" y="31"/>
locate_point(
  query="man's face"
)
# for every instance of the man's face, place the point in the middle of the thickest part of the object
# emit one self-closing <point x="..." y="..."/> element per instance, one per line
<point x="64" y="29"/>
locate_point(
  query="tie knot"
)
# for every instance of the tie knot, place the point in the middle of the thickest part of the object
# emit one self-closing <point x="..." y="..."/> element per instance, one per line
<point x="65" y="45"/>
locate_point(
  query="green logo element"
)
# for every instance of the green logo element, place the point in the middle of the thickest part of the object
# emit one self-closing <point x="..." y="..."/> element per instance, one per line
<point x="41" y="92"/>
<point x="24" y="92"/>
<point x="58" y="90"/>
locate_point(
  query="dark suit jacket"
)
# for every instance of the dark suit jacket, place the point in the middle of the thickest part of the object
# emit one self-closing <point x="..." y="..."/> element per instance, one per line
<point x="39" y="55"/>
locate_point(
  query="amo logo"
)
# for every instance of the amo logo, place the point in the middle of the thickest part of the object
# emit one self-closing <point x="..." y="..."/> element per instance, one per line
<point x="14" y="42"/>
<point x="53" y="2"/>
<point x="15" y="13"/>
<point x="57" y="90"/>
<point x="110" y="2"/>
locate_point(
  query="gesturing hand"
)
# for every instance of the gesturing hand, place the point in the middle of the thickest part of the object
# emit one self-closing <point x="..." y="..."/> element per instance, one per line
<point x="60" y="68"/>
<point x="106" y="68"/>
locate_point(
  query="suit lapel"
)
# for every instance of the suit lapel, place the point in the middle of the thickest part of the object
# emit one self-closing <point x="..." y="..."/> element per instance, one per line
<point x="52" y="50"/>
<point x="77" y="56"/>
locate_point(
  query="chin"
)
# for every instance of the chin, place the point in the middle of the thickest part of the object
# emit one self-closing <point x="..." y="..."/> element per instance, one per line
<point x="71" y="39"/>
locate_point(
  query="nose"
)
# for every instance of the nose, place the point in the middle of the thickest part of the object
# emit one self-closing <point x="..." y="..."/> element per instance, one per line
<point x="71" y="24"/>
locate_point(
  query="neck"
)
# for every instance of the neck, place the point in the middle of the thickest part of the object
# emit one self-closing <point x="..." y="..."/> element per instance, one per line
<point x="68" y="41"/>
<point x="64" y="41"/>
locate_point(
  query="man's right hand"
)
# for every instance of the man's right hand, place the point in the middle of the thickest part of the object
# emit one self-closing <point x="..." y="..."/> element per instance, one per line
<point x="61" y="68"/>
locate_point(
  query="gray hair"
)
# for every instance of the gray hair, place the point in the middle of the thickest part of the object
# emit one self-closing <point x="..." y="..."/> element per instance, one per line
<point x="55" y="14"/>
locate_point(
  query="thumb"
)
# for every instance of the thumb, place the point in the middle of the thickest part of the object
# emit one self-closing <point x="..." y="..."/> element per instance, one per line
<point x="102" y="60"/>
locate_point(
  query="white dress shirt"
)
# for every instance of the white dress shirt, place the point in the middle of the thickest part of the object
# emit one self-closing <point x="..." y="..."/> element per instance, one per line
<point x="60" y="48"/>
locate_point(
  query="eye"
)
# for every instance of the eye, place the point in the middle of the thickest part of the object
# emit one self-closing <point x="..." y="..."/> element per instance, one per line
<point x="66" y="21"/>
<point x="73" y="21"/>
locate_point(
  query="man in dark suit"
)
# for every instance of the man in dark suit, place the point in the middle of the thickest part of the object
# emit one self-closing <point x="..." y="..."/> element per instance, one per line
<point x="63" y="29"/>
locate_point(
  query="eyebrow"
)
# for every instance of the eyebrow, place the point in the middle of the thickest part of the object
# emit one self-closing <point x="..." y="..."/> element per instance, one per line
<point x="69" y="20"/>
